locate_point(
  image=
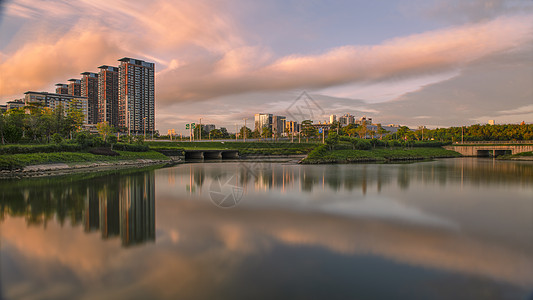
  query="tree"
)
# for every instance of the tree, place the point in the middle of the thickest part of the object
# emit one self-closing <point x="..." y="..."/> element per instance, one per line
<point x="308" y="130"/>
<point x="75" y="117"/>
<point x="215" y="134"/>
<point x="332" y="140"/>
<point x="351" y="129"/>
<point x="245" y="132"/>
<point x="56" y="138"/>
<point x="335" y="126"/>
<point x="104" y="129"/>
<point x="381" y="131"/>
<point x="224" y="132"/>
<point x="266" y="132"/>
<point x="362" y="131"/>
<point x="256" y="134"/>
<point x="112" y="140"/>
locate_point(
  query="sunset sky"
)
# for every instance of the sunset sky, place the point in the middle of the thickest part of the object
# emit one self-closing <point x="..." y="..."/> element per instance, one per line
<point x="420" y="62"/>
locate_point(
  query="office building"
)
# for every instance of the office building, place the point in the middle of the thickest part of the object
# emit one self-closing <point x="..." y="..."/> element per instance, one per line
<point x="262" y="121"/>
<point x="54" y="101"/>
<point x="136" y="96"/>
<point x="74" y="87"/>
<point x="278" y="125"/>
<point x="89" y="89"/>
<point x="292" y="126"/>
<point x="332" y="118"/>
<point x="62" y="88"/>
<point x="108" y="95"/>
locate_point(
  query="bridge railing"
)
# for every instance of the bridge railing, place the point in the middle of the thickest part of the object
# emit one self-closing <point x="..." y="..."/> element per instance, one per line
<point x="493" y="142"/>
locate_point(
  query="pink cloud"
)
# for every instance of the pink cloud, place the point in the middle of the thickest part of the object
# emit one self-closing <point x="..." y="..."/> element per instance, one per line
<point x="405" y="57"/>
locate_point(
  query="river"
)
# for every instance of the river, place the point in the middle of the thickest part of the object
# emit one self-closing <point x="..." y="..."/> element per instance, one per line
<point x="446" y="229"/>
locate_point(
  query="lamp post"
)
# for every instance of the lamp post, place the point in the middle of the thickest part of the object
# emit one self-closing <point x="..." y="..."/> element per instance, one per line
<point x="244" y="130"/>
<point x="144" y="127"/>
<point x="200" y="130"/>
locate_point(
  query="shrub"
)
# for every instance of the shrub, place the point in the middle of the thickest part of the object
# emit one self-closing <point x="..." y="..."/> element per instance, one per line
<point x="131" y="147"/>
<point x="103" y="151"/>
<point x="363" y="144"/>
<point x="97" y="141"/>
<point x="56" y="138"/>
<point x="332" y="140"/>
<point x="82" y="138"/>
<point x="48" y="148"/>
<point x="139" y="139"/>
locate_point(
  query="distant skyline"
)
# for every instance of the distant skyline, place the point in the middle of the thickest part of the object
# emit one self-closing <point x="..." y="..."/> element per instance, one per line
<point x="436" y="63"/>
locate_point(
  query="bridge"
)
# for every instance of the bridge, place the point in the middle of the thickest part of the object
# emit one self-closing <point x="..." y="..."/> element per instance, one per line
<point x="211" y="154"/>
<point x="491" y="148"/>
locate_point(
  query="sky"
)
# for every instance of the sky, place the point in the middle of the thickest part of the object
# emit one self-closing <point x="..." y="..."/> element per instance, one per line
<point x="436" y="63"/>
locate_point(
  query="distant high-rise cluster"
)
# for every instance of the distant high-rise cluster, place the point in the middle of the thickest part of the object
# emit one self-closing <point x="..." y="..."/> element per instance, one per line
<point x="123" y="96"/>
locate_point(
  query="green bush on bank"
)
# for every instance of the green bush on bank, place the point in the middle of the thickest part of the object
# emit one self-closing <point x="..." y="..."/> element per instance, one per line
<point x="47" y="148"/>
<point x="17" y="161"/>
<point x="322" y="155"/>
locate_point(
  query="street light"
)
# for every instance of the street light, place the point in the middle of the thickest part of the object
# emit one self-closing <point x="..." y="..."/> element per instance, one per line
<point x="200" y="135"/>
<point x="144" y="127"/>
<point x="244" y="130"/>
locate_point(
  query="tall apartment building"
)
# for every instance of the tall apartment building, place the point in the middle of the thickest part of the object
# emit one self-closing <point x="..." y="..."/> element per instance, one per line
<point x="89" y="89"/>
<point x="53" y="101"/>
<point x="62" y="89"/>
<point x="347" y="119"/>
<point x="74" y="87"/>
<point x="17" y="103"/>
<point x="108" y="95"/>
<point x="364" y="121"/>
<point x="278" y="125"/>
<point x="332" y="118"/>
<point x="262" y="121"/>
<point x="136" y="96"/>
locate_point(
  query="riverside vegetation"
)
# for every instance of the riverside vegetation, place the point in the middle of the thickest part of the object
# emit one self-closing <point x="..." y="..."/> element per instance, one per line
<point x="342" y="149"/>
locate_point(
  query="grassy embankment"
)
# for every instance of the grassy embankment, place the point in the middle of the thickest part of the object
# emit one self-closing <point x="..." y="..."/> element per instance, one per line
<point x="343" y="154"/>
<point x="18" y="156"/>
<point x="248" y="148"/>
<point x="518" y="156"/>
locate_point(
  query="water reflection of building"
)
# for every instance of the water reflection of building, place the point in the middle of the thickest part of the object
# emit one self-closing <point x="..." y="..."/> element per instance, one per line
<point x="122" y="206"/>
<point x="137" y="210"/>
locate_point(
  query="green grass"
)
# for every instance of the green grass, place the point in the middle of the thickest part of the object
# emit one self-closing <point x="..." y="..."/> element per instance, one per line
<point x="16" y="161"/>
<point x="271" y="148"/>
<point x="377" y="155"/>
<point x="524" y="154"/>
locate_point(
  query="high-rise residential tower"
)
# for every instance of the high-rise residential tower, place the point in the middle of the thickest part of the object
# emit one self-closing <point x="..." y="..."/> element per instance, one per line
<point x="62" y="89"/>
<point x="89" y="89"/>
<point x="108" y="95"/>
<point x="74" y="87"/>
<point x="136" y="96"/>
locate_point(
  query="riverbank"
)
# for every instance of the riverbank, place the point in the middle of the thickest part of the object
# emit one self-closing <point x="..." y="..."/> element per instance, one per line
<point x="524" y="156"/>
<point x="322" y="155"/>
<point x="62" y="163"/>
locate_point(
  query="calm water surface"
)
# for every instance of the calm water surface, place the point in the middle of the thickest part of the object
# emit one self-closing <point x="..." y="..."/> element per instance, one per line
<point x="445" y="229"/>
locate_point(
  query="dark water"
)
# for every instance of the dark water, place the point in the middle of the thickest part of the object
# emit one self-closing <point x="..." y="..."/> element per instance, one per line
<point x="446" y="229"/>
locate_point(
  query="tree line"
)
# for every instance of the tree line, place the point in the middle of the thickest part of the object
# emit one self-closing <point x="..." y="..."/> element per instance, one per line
<point x="37" y="124"/>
